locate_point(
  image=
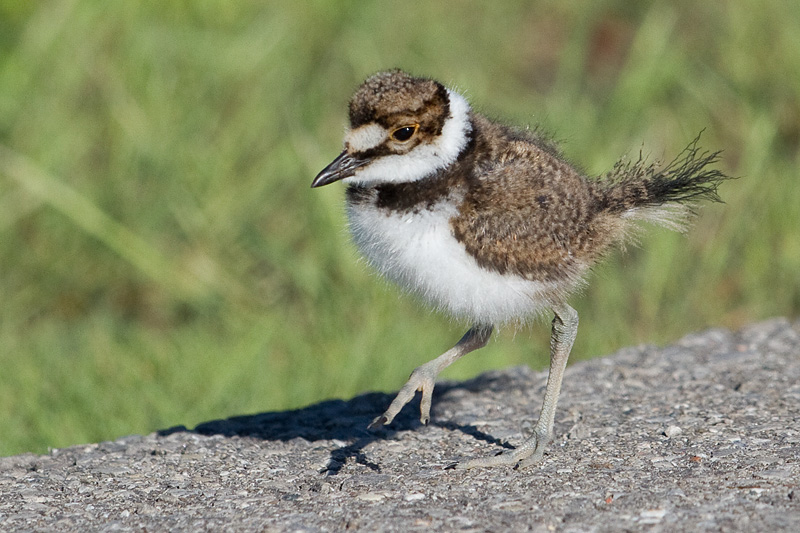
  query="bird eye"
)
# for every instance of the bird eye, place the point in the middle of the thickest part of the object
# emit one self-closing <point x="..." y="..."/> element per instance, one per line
<point x="403" y="134"/>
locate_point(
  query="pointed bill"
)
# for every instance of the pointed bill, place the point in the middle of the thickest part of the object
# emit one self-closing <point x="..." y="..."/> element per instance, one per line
<point x="342" y="167"/>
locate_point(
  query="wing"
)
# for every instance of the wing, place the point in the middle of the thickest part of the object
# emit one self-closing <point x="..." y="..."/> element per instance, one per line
<point x="535" y="216"/>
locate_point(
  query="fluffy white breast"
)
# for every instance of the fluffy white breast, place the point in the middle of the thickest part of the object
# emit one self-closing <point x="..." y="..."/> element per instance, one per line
<point x="419" y="252"/>
<point x="420" y="162"/>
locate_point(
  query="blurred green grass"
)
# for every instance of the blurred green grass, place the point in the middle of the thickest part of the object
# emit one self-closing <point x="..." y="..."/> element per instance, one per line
<point x="163" y="260"/>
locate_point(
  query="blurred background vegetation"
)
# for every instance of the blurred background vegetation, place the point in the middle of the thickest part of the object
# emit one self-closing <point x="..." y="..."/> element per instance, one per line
<point x="163" y="260"/>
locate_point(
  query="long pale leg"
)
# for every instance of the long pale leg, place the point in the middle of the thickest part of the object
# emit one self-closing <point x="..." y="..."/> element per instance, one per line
<point x="565" y="328"/>
<point x="423" y="377"/>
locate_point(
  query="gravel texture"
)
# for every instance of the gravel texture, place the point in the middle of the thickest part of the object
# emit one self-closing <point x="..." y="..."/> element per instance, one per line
<point x="703" y="435"/>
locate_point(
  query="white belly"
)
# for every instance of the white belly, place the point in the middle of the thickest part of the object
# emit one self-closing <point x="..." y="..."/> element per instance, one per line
<point x="419" y="252"/>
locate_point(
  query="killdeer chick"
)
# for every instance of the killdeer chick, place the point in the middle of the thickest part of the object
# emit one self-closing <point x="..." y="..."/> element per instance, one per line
<point x="488" y="222"/>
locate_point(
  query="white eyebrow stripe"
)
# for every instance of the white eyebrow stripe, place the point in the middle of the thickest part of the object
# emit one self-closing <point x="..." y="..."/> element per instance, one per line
<point x="364" y="137"/>
<point x="424" y="159"/>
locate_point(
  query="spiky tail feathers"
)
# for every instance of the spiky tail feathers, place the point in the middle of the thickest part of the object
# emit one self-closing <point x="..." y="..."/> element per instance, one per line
<point x="664" y="195"/>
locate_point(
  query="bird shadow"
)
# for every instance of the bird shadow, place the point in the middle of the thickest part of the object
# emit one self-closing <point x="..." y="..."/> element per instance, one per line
<point x="347" y="421"/>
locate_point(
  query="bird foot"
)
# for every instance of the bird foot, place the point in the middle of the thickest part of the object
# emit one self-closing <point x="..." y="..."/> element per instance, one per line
<point x="529" y="453"/>
<point x="422" y="379"/>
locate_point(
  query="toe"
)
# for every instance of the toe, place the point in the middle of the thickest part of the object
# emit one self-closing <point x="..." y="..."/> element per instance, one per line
<point x="425" y="405"/>
<point x="378" y="422"/>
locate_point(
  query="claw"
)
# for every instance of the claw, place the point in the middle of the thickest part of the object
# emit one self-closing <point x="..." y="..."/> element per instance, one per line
<point x="378" y="422"/>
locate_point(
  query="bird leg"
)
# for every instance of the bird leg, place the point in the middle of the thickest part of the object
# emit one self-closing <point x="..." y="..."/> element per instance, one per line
<point x="423" y="377"/>
<point x="565" y="328"/>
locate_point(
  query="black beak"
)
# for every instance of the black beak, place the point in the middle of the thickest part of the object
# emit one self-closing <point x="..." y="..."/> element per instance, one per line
<point x="342" y="167"/>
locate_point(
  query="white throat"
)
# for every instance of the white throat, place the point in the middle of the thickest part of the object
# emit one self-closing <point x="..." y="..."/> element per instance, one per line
<point x="423" y="160"/>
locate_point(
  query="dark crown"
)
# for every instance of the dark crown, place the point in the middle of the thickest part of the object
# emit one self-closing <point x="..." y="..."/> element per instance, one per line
<point x="388" y="96"/>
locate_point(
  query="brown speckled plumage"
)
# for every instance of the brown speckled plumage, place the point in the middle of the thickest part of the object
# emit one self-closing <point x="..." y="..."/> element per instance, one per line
<point x="526" y="211"/>
<point x="489" y="222"/>
<point x="389" y="95"/>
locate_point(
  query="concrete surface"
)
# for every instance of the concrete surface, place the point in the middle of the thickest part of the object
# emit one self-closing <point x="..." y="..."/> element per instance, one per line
<point x="703" y="435"/>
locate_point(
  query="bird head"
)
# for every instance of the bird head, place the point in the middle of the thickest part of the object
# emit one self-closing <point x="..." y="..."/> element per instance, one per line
<point x="402" y="129"/>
